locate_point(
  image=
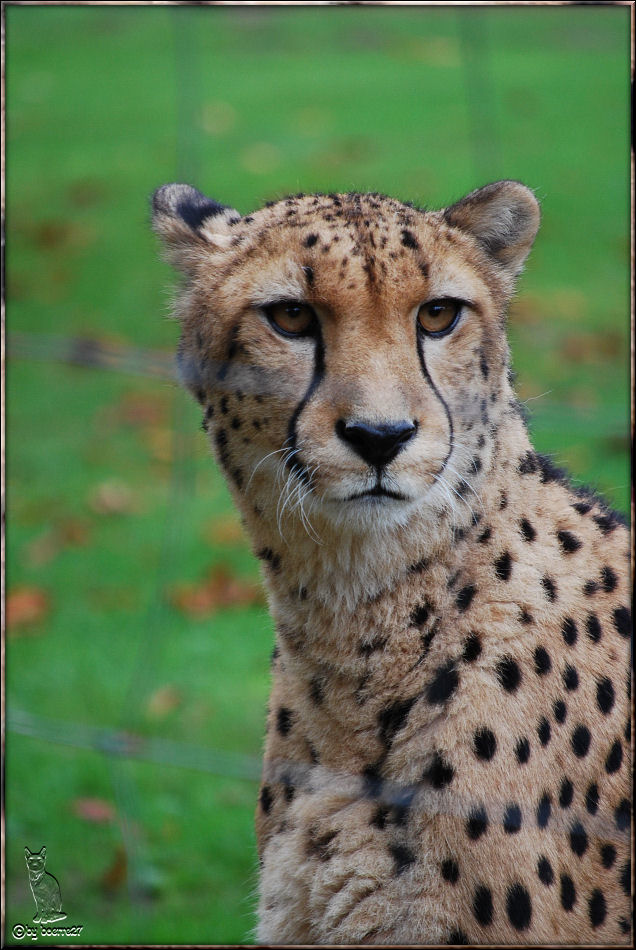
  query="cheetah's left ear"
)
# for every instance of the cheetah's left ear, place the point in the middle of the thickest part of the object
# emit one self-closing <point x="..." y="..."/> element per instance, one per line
<point x="187" y="223"/>
<point x="504" y="217"/>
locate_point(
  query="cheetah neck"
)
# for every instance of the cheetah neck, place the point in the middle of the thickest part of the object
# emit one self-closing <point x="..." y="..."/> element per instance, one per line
<point x="320" y="582"/>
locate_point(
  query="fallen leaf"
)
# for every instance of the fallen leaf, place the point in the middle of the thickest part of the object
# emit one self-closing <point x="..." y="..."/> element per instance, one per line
<point x="226" y="530"/>
<point x="25" y="607"/>
<point x="95" y="810"/>
<point x="114" y="877"/>
<point x="112" y="497"/>
<point x="163" y="701"/>
<point x="220" y="589"/>
<point x="71" y="533"/>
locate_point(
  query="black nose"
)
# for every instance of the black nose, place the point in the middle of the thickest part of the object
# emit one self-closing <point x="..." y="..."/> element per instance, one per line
<point x="376" y="444"/>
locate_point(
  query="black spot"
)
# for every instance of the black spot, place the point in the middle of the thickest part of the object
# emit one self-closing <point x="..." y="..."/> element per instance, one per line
<point x="450" y="871"/>
<point x="224" y="405"/>
<point x="484" y="744"/>
<point x="544" y="810"/>
<point x="477" y="823"/>
<point x="543" y="731"/>
<point x="402" y="856"/>
<point x="625" y="925"/>
<point x="266" y="798"/>
<point x="419" y="615"/>
<point x="593" y="627"/>
<point x="590" y="588"/>
<point x="409" y="239"/>
<point x="309" y="274"/>
<point x="519" y="907"/>
<point x="568" y="542"/>
<point x="316" y="690"/>
<point x="568" y="892"/>
<point x="559" y="710"/>
<point x="591" y="798"/>
<point x="318" y="845"/>
<point x="542" y="662"/>
<point x="464" y="597"/>
<point x="527" y="530"/>
<point x="522" y="751"/>
<point x="440" y="773"/>
<point x="288" y="790"/>
<point x="503" y="566"/>
<point x="549" y="471"/>
<point x="566" y="793"/>
<point x="608" y="856"/>
<point x="622" y="815"/>
<point x="583" y="507"/>
<point x="393" y="718"/>
<point x="623" y="621"/>
<point x="570" y="678"/>
<point x="614" y="758"/>
<point x="525" y="617"/>
<point x="366" y="649"/>
<point x="508" y="673"/>
<point x="485" y="535"/>
<point x="628" y="731"/>
<point x="625" y="877"/>
<point x="569" y="631"/>
<point x="483" y="364"/>
<point x="310" y="240"/>
<point x="605" y="695"/>
<point x="578" y="839"/>
<point x="549" y="588"/>
<point x="606" y="522"/>
<point x="503" y="498"/>
<point x="236" y="423"/>
<point x="609" y="579"/>
<point x="482" y="905"/>
<point x="472" y="648"/>
<point x="527" y="464"/>
<point x="596" y="908"/>
<point x="380" y="817"/>
<point x="443" y="684"/>
<point x="457" y="937"/>
<point x="581" y="739"/>
<point x="512" y="819"/>
<point x="545" y="872"/>
<point x="284" y="721"/>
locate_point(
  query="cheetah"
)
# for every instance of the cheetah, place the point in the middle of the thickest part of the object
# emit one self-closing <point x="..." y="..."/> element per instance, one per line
<point x="448" y="736"/>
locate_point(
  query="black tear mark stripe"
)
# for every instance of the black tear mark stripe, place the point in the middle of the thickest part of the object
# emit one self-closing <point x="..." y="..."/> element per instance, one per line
<point x="294" y="463"/>
<point x="427" y="377"/>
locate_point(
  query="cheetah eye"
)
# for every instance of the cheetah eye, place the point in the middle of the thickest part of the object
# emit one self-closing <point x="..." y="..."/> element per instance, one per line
<point x="291" y="318"/>
<point x="438" y="317"/>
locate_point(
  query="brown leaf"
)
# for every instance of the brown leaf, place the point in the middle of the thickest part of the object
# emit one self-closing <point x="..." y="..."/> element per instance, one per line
<point x="71" y="533"/>
<point x="112" y="497"/>
<point x="226" y="530"/>
<point x="95" y="810"/>
<point x="25" y="606"/>
<point x="114" y="877"/>
<point x="219" y="590"/>
<point x="163" y="701"/>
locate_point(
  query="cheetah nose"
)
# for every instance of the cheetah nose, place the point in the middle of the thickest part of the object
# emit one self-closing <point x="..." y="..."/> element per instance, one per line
<point x="376" y="444"/>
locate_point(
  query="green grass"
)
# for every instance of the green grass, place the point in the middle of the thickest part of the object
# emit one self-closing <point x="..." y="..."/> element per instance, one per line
<point x="105" y="104"/>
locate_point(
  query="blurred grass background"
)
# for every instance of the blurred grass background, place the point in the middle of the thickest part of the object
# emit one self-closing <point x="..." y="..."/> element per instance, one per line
<point x="130" y="590"/>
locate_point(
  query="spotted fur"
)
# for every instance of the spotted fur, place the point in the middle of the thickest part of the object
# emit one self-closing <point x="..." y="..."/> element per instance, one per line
<point x="448" y="742"/>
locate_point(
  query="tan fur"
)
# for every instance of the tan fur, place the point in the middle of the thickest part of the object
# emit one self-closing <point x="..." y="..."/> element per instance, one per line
<point x="423" y="644"/>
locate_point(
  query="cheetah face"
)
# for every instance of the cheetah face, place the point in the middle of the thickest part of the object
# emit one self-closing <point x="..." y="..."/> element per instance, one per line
<point x="349" y="350"/>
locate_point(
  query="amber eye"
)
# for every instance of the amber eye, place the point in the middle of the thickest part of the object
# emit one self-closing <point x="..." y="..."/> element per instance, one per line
<point x="438" y="317"/>
<point x="291" y="318"/>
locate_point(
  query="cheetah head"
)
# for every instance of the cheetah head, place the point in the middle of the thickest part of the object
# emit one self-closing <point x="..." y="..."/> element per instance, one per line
<point x="348" y="350"/>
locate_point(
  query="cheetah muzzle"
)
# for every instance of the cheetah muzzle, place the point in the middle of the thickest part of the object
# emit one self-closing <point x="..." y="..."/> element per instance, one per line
<point x="448" y="741"/>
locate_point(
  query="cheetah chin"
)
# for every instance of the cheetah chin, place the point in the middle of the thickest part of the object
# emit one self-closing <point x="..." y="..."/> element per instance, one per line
<point x="448" y="751"/>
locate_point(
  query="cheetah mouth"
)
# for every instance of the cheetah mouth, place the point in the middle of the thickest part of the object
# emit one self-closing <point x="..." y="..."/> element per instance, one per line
<point x="378" y="491"/>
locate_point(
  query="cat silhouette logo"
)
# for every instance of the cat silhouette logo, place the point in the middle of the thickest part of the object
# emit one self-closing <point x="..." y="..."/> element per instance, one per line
<point x="45" y="887"/>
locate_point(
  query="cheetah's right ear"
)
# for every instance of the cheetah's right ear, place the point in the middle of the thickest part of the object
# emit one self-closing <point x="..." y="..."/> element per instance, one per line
<point x="187" y="223"/>
<point x="504" y="217"/>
